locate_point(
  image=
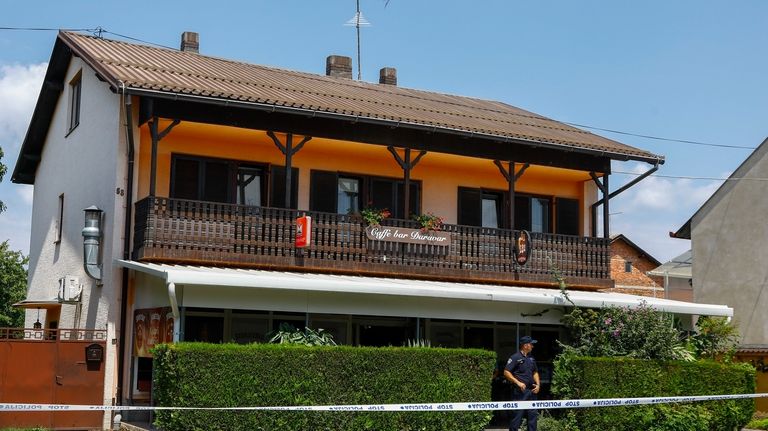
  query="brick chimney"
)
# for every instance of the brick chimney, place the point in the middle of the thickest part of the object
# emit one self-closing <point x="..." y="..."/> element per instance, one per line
<point x="338" y="66"/>
<point x="388" y="75"/>
<point x="190" y="42"/>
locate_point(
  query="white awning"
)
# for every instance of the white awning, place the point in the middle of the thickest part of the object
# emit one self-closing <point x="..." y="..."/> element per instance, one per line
<point x="375" y="286"/>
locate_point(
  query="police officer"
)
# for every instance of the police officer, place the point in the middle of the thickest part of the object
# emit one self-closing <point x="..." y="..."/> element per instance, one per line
<point x="522" y="372"/>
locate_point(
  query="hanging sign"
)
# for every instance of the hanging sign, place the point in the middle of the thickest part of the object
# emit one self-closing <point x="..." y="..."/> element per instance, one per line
<point x="521" y="251"/>
<point x="303" y="231"/>
<point x="410" y="236"/>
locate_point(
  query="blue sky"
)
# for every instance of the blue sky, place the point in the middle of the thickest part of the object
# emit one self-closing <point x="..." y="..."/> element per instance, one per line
<point x="691" y="70"/>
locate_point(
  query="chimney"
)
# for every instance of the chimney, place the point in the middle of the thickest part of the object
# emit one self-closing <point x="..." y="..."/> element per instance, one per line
<point x="190" y="42"/>
<point x="338" y="66"/>
<point x="388" y="75"/>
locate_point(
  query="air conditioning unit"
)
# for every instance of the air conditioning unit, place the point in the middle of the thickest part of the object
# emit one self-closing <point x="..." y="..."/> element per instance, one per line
<point x="70" y="289"/>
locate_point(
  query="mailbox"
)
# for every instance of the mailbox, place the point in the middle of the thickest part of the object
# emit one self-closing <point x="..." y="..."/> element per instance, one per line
<point x="94" y="353"/>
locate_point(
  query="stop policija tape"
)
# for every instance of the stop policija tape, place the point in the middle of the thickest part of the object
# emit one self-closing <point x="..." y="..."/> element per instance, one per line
<point x="456" y="407"/>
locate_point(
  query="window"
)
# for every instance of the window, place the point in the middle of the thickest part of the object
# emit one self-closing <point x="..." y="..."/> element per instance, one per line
<point x="74" y="101"/>
<point x="346" y="193"/>
<point x="348" y="196"/>
<point x="533" y="213"/>
<point x="228" y="181"/>
<point x="479" y="207"/>
<point x="59" y="220"/>
<point x="628" y="266"/>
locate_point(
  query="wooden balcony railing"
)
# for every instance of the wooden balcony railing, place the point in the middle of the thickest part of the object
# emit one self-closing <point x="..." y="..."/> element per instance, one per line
<point x="205" y="233"/>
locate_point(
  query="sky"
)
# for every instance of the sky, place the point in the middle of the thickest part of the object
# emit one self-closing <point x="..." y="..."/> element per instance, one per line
<point x="681" y="70"/>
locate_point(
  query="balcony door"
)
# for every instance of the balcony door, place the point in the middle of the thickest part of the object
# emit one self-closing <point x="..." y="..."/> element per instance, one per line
<point x="349" y="193"/>
<point x="231" y="181"/>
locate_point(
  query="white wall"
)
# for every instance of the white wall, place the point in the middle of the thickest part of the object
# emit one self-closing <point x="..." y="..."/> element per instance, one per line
<point x="730" y="249"/>
<point x="86" y="165"/>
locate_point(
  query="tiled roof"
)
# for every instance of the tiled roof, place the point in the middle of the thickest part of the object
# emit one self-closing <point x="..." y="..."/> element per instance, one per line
<point x="143" y="67"/>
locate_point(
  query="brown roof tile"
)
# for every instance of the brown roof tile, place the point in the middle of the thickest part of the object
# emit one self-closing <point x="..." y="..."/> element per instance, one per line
<point x="166" y="70"/>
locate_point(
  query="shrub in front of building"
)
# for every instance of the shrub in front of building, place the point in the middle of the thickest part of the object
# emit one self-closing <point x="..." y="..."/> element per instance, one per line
<point x="590" y="378"/>
<point x="230" y="375"/>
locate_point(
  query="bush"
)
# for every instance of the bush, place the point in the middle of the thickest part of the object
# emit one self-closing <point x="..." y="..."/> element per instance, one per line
<point x="639" y="332"/>
<point x="589" y="378"/>
<point x="229" y="375"/>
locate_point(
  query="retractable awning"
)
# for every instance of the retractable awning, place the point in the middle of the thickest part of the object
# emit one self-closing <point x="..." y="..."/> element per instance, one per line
<point x="347" y="284"/>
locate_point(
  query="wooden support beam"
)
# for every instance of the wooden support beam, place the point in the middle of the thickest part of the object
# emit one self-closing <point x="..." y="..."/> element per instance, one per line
<point x="288" y="151"/>
<point x="156" y="138"/>
<point x="406" y="165"/>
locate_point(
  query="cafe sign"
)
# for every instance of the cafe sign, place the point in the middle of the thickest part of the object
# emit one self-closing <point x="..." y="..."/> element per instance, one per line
<point x="408" y="236"/>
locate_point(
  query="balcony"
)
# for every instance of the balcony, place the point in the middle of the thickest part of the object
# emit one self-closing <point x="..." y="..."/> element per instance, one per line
<point x="216" y="234"/>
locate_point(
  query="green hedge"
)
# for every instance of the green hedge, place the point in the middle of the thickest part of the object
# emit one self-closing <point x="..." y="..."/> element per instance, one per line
<point x="229" y="375"/>
<point x="586" y="378"/>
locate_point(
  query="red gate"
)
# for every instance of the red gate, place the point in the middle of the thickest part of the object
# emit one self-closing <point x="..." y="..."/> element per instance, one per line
<point x="50" y="367"/>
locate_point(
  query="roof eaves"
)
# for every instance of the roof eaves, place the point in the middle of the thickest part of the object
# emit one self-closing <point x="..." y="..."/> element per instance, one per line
<point x="356" y="117"/>
<point x="32" y="145"/>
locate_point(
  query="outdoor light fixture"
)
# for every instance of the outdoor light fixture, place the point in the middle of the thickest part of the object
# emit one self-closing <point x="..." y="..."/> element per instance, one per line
<point x="92" y="241"/>
<point x="38" y="325"/>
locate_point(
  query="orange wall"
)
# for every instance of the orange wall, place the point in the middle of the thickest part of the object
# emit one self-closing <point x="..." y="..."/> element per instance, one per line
<point x="441" y="174"/>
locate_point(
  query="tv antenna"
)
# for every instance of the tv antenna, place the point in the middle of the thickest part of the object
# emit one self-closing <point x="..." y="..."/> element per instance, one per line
<point x="358" y="21"/>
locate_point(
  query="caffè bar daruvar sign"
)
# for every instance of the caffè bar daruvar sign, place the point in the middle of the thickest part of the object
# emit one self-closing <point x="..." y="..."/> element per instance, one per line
<point x="409" y="236"/>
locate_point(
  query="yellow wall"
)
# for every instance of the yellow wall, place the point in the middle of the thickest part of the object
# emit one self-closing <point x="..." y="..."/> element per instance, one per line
<point x="441" y="174"/>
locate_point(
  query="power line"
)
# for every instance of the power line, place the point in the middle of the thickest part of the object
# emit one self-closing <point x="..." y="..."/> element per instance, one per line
<point x="684" y="177"/>
<point x="358" y="21"/>
<point x="658" y="138"/>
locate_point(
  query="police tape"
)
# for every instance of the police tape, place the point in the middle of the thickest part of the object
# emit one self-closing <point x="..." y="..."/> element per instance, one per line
<point x="457" y="407"/>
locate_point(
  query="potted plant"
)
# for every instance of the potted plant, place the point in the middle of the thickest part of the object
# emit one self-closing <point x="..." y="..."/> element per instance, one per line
<point x="429" y="221"/>
<point x="374" y="216"/>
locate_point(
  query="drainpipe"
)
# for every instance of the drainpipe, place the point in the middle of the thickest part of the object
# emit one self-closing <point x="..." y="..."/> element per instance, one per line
<point x="126" y="242"/>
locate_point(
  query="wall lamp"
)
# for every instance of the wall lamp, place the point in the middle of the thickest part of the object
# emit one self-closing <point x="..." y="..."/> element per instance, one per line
<point x="92" y="241"/>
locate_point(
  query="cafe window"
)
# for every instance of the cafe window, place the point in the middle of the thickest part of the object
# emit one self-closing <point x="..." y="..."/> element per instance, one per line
<point x="341" y="193"/>
<point x="480" y="207"/>
<point x="228" y="181"/>
<point x="533" y="213"/>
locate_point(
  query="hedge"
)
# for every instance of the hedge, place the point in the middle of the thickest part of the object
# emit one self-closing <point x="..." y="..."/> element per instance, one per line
<point x="230" y="375"/>
<point x="588" y="378"/>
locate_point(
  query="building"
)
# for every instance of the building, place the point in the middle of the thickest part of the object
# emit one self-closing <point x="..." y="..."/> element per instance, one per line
<point x="629" y="269"/>
<point x="194" y="170"/>
<point x="677" y="277"/>
<point x="729" y="250"/>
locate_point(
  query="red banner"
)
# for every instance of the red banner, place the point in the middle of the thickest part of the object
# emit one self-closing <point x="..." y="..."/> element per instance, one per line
<point x="303" y="231"/>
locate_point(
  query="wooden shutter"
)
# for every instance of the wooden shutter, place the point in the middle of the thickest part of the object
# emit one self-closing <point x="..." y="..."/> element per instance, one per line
<point x="567" y="216"/>
<point x="470" y="207"/>
<point x="277" y="192"/>
<point x="323" y="191"/>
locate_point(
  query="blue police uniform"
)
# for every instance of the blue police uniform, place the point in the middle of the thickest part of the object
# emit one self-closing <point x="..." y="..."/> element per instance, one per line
<point x="523" y="367"/>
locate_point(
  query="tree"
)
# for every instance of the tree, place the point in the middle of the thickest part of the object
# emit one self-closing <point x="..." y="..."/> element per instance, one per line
<point x="2" y="173"/>
<point x="13" y="285"/>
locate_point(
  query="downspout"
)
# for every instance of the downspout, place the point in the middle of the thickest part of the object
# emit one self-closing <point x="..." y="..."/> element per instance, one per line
<point x="126" y="240"/>
<point x="593" y="207"/>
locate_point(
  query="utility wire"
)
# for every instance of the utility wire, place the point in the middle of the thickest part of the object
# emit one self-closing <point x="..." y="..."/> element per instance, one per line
<point x="658" y="138"/>
<point x="99" y="30"/>
<point x="683" y="177"/>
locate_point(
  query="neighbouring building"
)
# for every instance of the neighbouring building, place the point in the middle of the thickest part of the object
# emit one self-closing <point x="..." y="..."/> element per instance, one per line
<point x="729" y="252"/>
<point x="677" y="277"/>
<point x="193" y="171"/>
<point x="629" y="269"/>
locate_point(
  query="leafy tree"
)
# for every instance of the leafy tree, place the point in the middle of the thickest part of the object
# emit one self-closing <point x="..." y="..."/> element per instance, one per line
<point x="2" y="173"/>
<point x="13" y="285"/>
